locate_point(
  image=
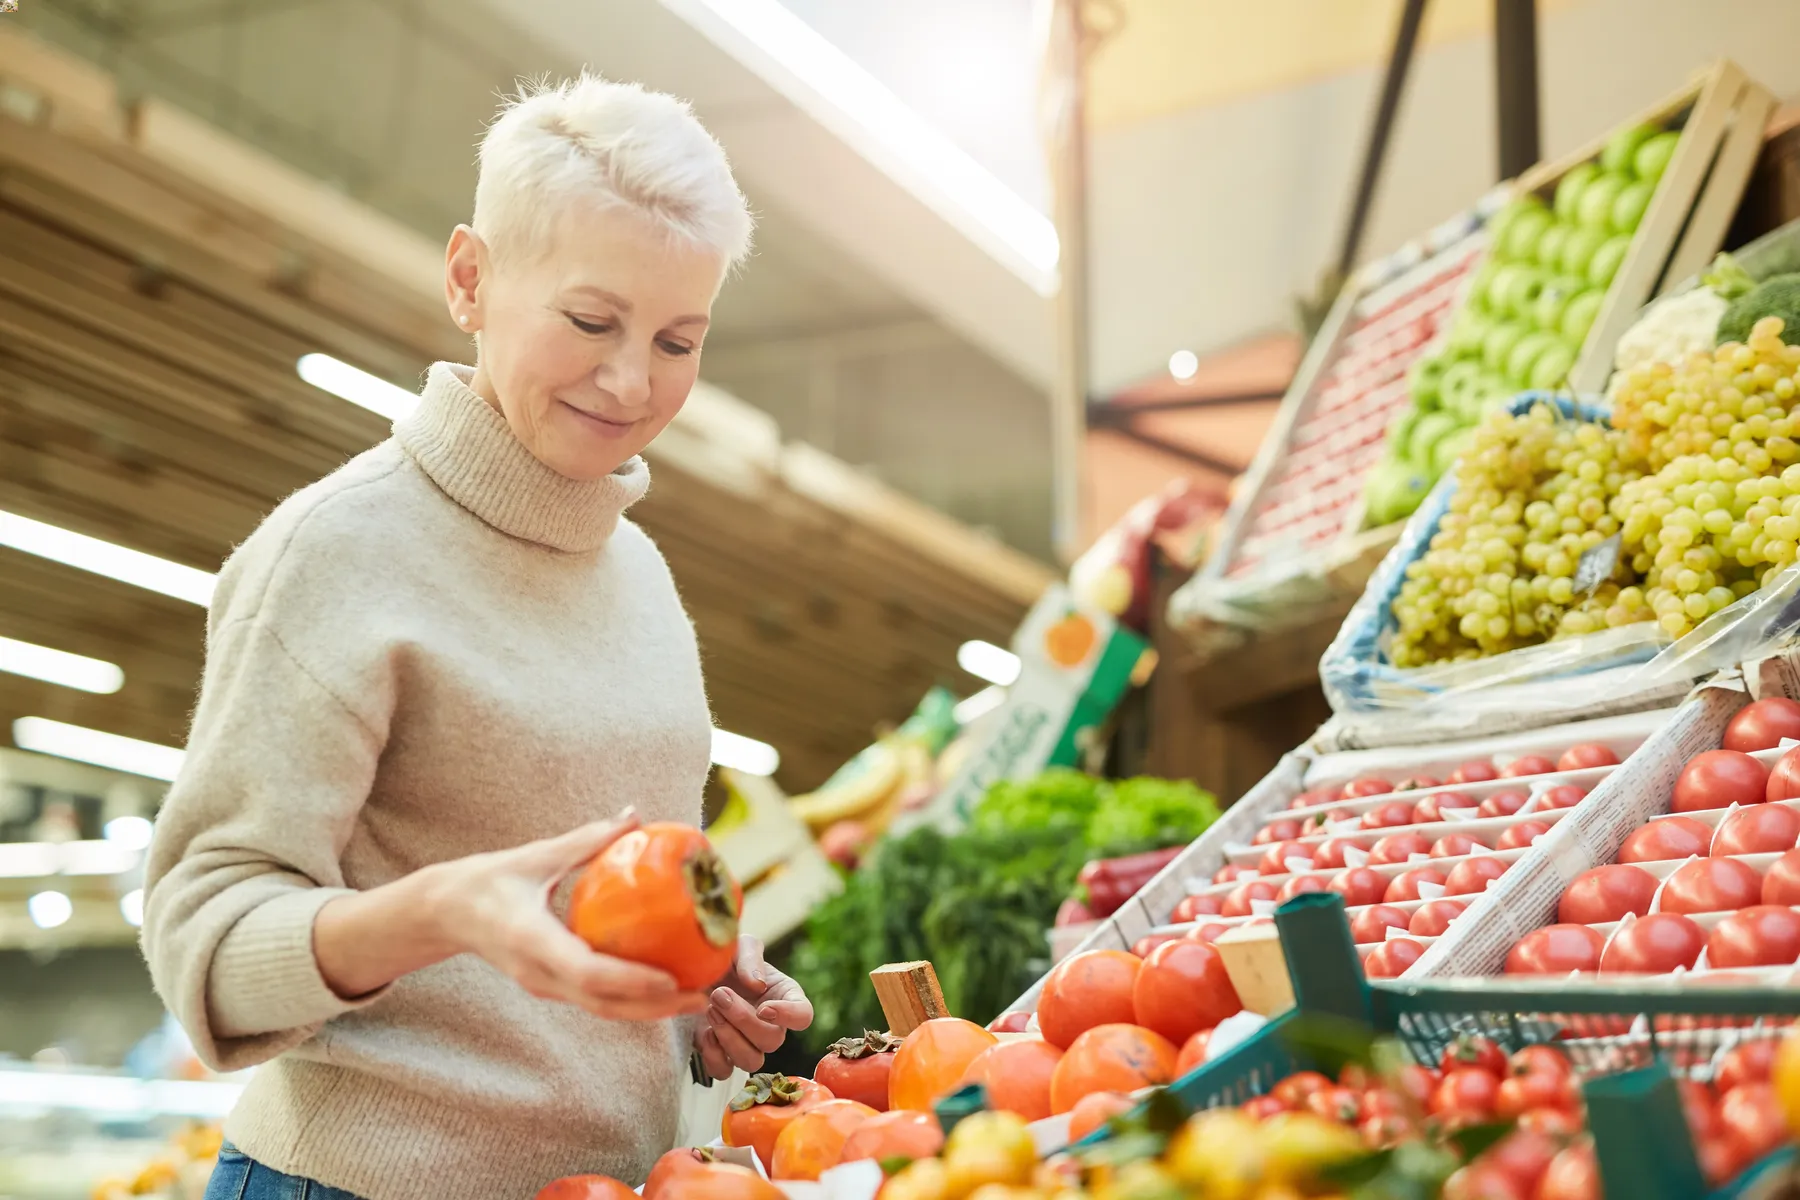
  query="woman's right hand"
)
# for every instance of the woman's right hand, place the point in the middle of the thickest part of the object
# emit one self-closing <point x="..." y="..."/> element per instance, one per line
<point x="497" y="907"/>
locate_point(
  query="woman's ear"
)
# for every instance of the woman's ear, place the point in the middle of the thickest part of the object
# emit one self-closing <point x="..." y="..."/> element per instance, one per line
<point x="464" y="260"/>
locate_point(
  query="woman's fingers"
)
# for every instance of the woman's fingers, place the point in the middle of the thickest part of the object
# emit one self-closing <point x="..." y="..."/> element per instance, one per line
<point x="736" y="1046"/>
<point x="750" y="968"/>
<point x="734" y="1011"/>
<point x="712" y="1055"/>
<point x="557" y="856"/>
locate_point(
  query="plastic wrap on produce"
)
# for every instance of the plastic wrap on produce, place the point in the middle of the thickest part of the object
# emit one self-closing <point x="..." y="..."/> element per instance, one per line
<point x="1590" y="836"/>
<point x="1634" y="665"/>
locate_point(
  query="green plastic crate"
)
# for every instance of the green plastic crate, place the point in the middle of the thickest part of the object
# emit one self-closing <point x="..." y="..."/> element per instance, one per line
<point x="1628" y="1042"/>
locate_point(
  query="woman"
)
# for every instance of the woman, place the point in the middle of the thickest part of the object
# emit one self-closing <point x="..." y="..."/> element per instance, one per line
<point x="441" y="679"/>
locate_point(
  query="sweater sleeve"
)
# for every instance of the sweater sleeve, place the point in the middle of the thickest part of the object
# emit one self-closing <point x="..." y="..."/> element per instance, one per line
<point x="249" y="841"/>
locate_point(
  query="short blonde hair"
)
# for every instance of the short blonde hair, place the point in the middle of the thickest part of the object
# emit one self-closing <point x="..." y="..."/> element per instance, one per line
<point x="611" y="143"/>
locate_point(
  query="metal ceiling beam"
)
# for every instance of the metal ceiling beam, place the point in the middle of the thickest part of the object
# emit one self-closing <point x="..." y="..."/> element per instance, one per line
<point x="1516" y="78"/>
<point x="1393" y="83"/>
<point x="1198" y="458"/>
<point x="1104" y="411"/>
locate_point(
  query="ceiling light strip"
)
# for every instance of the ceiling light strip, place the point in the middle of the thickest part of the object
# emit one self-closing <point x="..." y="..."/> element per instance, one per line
<point x="60" y="667"/>
<point x="104" y="558"/>
<point x="43" y="736"/>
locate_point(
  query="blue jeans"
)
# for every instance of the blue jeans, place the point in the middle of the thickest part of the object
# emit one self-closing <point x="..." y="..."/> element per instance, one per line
<point x="239" y="1177"/>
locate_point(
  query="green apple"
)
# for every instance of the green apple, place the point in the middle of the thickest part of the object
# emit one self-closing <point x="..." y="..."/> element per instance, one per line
<point x="1652" y="158"/>
<point x="1423" y="382"/>
<point x="1552" y="366"/>
<point x="1501" y="287"/>
<point x="1466" y="332"/>
<point x="1400" y="431"/>
<point x="1525" y="355"/>
<point x="1595" y="210"/>
<point x="1447" y="451"/>
<point x="1523" y="289"/>
<point x="1606" y="260"/>
<point x="1431" y="429"/>
<point x="1458" y="382"/>
<point x="1523" y="232"/>
<point x="1578" y="250"/>
<point x="1495" y="392"/>
<point x="1499" y="344"/>
<point x="1579" y="316"/>
<point x="1503" y="220"/>
<point x="1482" y="282"/>
<point x="1550" y="245"/>
<point x="1547" y="313"/>
<point x="1628" y="210"/>
<point x="1622" y="147"/>
<point x="1568" y="191"/>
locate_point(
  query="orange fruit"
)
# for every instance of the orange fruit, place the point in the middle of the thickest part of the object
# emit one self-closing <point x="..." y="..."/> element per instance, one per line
<point x="931" y="1062"/>
<point x="758" y="1113"/>
<point x="586" y="1187"/>
<point x="813" y="1140"/>
<point x="1085" y="990"/>
<point x="1111" y="1058"/>
<point x="1068" y="642"/>
<point x="898" y="1134"/>
<point x="662" y="896"/>
<point x="1183" y="988"/>
<point x="1193" y="1053"/>
<point x="727" y="1181"/>
<point x="1016" y="1075"/>
<point x="1094" y="1110"/>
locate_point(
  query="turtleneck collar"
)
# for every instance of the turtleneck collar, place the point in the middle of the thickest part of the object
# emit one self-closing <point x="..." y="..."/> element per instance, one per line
<point x="469" y="451"/>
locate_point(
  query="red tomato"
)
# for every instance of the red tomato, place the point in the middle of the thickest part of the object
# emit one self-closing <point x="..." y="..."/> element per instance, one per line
<point x="1655" y="945"/>
<point x="1519" y="836"/>
<point x="1192" y="908"/>
<point x="1721" y="1158"/>
<point x="1556" y="950"/>
<point x="1784" y="780"/>
<point x="1398" y="847"/>
<point x="1418" y="783"/>
<point x="1472" y="875"/>
<point x="1291" y="1093"/>
<point x="1417" y="1083"/>
<point x="1530" y="764"/>
<point x="1753" y="1119"/>
<point x="1473" y="1050"/>
<point x="1360" y="789"/>
<point x="1274" y="859"/>
<point x="1330" y="852"/>
<point x="1556" y="1122"/>
<point x="1758" y="829"/>
<point x="1261" y="1108"/>
<point x="1701" y="1108"/>
<point x="1467" y="1089"/>
<point x="1763" y="935"/>
<point x="1359" y="886"/>
<point x="1340" y="1104"/>
<point x="1012" y="1022"/>
<point x="1380" y="1101"/>
<point x="1182" y="989"/>
<point x="1711" y="885"/>
<point x="1388" y="816"/>
<point x="1586" y="754"/>
<point x="1719" y="779"/>
<point x="1540" y="1060"/>
<point x="1574" y="1174"/>
<point x="1525" y="1156"/>
<point x="1237" y="904"/>
<point x="1372" y="923"/>
<point x="1431" y="808"/>
<point x="1386" y="1129"/>
<point x="1563" y="795"/>
<point x="1300" y="885"/>
<point x="1230" y="873"/>
<point x="1484" y="1181"/>
<point x="1762" y="725"/>
<point x="1781" y="885"/>
<point x="1406" y="885"/>
<point x="1145" y="945"/>
<point x="1606" y="894"/>
<point x="1746" y="1062"/>
<point x="1286" y="829"/>
<point x="1502" y="804"/>
<point x="1431" y="918"/>
<point x="1666" y="838"/>
<point x="1210" y="932"/>
<point x="1455" y="845"/>
<point x="1391" y="959"/>
<point x="1477" y="771"/>
<point x="1313" y="798"/>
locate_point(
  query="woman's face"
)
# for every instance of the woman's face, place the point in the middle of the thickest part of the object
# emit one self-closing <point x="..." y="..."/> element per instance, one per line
<point x="590" y="347"/>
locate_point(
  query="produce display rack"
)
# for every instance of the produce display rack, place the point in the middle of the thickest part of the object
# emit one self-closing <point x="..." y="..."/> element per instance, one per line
<point x="771" y="852"/>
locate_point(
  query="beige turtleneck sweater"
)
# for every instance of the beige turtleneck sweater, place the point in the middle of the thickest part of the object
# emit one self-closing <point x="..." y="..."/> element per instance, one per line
<point x="440" y="649"/>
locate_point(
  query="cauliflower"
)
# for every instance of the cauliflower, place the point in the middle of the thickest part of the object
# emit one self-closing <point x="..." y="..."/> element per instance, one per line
<point x="1669" y="331"/>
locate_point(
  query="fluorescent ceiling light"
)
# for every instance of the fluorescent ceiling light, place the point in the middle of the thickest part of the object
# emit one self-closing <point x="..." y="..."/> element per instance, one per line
<point x="356" y="385"/>
<point x="29" y="860"/>
<point x="131" y="907"/>
<point x="35" y="1090"/>
<point x="131" y="832"/>
<point x="744" y="754"/>
<point x="984" y="660"/>
<point x="49" y="909"/>
<point x="979" y="705"/>
<point x="1184" y="364"/>
<point x="59" y="667"/>
<point x="41" y="860"/>
<point x="104" y="558"/>
<point x="44" y="736"/>
<point x="831" y="86"/>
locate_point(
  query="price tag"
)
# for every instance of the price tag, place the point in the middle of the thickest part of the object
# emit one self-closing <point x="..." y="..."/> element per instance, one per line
<point x="1596" y="564"/>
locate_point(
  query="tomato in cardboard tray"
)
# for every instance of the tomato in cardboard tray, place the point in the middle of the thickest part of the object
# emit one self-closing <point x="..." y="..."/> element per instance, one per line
<point x="1517" y="837"/>
<point x="1409" y="885"/>
<point x="1388" y="816"/>
<point x="1286" y="829"/>
<point x="1666" y="838"/>
<point x="1275" y="859"/>
<point x="1472" y="875"/>
<point x="1398" y="847"/>
<point x="1431" y="809"/>
<point x="1530" y="764"/>
<point x="1359" y="886"/>
<point x="1455" y="845"/>
<point x="1758" y="829"/>
<point x="1606" y="894"/>
<point x="1556" y="950"/>
<point x="1475" y="771"/>
<point x="1655" y="944"/>
<point x="1711" y="885"/>
<point x="1762" y="935"/>
<point x="1371" y="924"/>
<point x="1300" y="885"/>
<point x="1763" y="724"/>
<point x="1784" y="780"/>
<point x="1584" y="755"/>
<point x="1391" y="959"/>
<point x="1362" y="789"/>
<point x="1330" y="852"/>
<point x="1781" y="883"/>
<point x="1563" y="795"/>
<point x="1431" y="918"/>
<point x="1192" y="908"/>
<point x="1719" y="779"/>
<point x="1240" y="903"/>
<point x="1502" y="804"/>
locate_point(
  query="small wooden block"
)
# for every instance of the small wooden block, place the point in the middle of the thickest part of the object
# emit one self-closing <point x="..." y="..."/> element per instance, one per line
<point x="909" y="995"/>
<point x="1258" y="969"/>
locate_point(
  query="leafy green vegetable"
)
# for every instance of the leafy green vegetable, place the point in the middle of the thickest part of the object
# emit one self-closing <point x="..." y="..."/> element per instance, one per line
<point x="1778" y="296"/>
<point x="1726" y="278"/>
<point x="977" y="903"/>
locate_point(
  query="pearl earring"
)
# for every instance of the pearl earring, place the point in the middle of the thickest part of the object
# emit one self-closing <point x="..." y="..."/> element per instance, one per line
<point x="464" y="319"/>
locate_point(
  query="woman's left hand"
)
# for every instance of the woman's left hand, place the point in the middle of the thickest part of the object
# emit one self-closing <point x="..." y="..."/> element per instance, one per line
<point x="749" y="1014"/>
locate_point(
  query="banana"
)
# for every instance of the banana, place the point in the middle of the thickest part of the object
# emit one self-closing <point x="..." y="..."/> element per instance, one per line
<point x="860" y="785"/>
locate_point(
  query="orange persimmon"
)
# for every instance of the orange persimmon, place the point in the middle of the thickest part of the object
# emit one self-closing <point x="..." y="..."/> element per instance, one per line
<point x="1111" y="1058"/>
<point x="813" y="1140"/>
<point x="662" y="896"/>
<point x="1085" y="990"/>
<point x="898" y="1134"/>
<point x="932" y="1060"/>
<point x="757" y="1114"/>
<point x="1016" y="1075"/>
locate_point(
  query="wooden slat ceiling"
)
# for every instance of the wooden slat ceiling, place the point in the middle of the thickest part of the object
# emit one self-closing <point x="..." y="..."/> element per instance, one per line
<point x="148" y="333"/>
